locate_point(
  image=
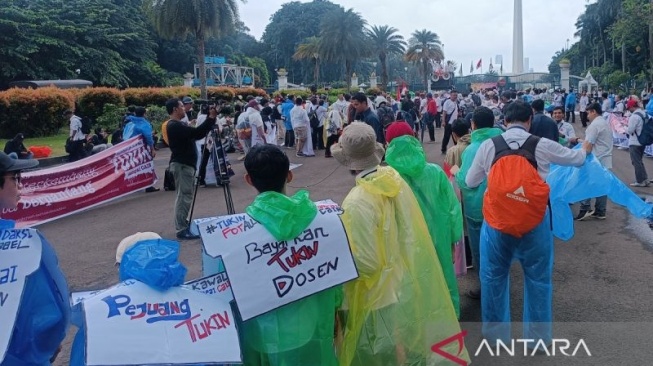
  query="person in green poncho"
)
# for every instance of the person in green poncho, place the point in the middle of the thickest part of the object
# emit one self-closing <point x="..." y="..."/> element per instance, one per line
<point x="435" y="195"/>
<point x="483" y="129"/>
<point x="302" y="332"/>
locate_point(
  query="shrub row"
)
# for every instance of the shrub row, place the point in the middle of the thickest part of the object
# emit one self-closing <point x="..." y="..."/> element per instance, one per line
<point x="40" y="112"/>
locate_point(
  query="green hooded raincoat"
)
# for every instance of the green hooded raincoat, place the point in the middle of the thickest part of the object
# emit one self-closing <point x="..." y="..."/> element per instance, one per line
<point x="300" y="333"/>
<point x="437" y="200"/>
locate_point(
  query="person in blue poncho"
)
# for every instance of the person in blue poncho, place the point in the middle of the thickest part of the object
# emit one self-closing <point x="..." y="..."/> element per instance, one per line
<point x="43" y="313"/>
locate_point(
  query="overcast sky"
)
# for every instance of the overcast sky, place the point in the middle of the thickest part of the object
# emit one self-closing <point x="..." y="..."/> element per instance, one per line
<point x="469" y="29"/>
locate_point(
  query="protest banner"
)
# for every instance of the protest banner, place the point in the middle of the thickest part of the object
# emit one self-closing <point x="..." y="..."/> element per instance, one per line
<point x="20" y="256"/>
<point x="60" y="191"/>
<point x="619" y="127"/>
<point x="265" y="273"/>
<point x="151" y="327"/>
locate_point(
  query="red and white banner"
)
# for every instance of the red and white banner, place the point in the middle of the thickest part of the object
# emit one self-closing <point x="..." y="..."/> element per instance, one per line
<point x="59" y="191"/>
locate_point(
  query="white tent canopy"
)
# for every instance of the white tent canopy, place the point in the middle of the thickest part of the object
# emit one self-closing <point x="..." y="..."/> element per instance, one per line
<point x="588" y="84"/>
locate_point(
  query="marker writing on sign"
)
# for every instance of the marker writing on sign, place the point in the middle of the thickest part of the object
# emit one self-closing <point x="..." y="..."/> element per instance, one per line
<point x="296" y="256"/>
<point x="254" y="252"/>
<point x="237" y="229"/>
<point x="204" y="328"/>
<point x="155" y="312"/>
<point x="8" y="275"/>
<point x="284" y="283"/>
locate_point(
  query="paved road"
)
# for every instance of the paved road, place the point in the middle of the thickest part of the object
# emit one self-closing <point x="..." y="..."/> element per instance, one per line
<point x="602" y="275"/>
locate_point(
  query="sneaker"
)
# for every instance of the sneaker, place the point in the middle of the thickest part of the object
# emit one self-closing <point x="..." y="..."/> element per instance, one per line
<point x="600" y="216"/>
<point x="186" y="235"/>
<point x="474" y="294"/>
<point x="152" y="189"/>
<point x="643" y="184"/>
<point x="583" y="215"/>
<point x="300" y="155"/>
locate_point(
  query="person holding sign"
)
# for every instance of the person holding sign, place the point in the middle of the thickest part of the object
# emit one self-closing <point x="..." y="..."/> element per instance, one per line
<point x="435" y="195"/>
<point x="299" y="333"/>
<point x="398" y="311"/>
<point x="34" y="309"/>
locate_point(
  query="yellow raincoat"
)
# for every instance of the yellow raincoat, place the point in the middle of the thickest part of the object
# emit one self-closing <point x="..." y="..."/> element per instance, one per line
<point x="399" y="307"/>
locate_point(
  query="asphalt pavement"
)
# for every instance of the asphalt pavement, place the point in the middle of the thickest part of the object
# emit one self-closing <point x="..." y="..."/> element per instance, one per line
<point x="601" y="276"/>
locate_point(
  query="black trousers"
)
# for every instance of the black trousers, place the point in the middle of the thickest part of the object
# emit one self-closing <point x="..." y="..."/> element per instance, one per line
<point x="438" y="119"/>
<point x="583" y="118"/>
<point x="330" y="141"/>
<point x="446" y="137"/>
<point x="573" y="115"/>
<point x="318" y="140"/>
<point x="289" y="140"/>
<point x="430" y="118"/>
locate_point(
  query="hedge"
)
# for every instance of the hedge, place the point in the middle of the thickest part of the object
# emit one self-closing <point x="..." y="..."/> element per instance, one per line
<point x="91" y="101"/>
<point x="35" y="113"/>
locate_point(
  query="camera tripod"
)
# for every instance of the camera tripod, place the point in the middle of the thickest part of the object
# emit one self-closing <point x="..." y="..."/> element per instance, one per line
<point x="219" y="158"/>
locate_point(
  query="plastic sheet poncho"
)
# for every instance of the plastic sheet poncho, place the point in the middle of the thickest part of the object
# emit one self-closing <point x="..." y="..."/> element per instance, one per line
<point x="44" y="312"/>
<point x="300" y="333"/>
<point x="437" y="200"/>
<point x="473" y="197"/>
<point x="399" y="306"/>
<point x="574" y="184"/>
<point x="155" y="262"/>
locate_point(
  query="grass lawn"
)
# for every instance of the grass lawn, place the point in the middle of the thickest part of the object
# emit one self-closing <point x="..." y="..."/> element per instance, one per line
<point x="57" y="142"/>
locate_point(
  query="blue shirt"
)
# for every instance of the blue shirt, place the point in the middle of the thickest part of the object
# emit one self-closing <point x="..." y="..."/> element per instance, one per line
<point x="138" y="126"/>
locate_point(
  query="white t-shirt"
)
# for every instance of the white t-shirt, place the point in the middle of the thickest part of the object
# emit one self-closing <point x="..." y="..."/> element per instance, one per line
<point x="451" y="108"/>
<point x="599" y="134"/>
<point x="299" y="117"/>
<point x="256" y="122"/>
<point x="584" y="101"/>
<point x="76" y="125"/>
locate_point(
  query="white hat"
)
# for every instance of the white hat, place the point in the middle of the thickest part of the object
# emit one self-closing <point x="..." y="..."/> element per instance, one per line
<point x="129" y="242"/>
<point x="357" y="148"/>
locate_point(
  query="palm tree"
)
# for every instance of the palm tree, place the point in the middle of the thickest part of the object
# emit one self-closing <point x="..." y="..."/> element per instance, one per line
<point x="342" y="39"/>
<point x="424" y="46"/>
<point x="385" y="42"/>
<point x="202" y="18"/>
<point x="308" y="50"/>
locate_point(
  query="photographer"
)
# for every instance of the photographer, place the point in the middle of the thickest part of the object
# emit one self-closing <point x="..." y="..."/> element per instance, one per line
<point x="182" y="139"/>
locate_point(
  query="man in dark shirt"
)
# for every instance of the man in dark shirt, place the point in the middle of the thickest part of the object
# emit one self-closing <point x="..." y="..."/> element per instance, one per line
<point x="542" y="125"/>
<point x="16" y="149"/>
<point x="181" y="138"/>
<point x="365" y="114"/>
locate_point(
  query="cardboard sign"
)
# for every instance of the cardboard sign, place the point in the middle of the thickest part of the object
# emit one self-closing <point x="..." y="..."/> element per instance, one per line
<point x="20" y="256"/>
<point x="133" y="324"/>
<point x="265" y="273"/>
<point x="215" y="285"/>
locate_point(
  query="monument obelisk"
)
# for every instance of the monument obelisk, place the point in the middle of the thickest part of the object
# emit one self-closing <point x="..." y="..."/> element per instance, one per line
<point x="517" y="40"/>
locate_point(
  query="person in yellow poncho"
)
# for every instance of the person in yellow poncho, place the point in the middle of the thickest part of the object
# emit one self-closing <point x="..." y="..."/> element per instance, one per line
<point x="435" y="195"/>
<point x="300" y="333"/>
<point x="399" y="308"/>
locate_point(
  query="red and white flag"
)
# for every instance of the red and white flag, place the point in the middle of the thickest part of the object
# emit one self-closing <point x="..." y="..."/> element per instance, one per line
<point x="479" y="64"/>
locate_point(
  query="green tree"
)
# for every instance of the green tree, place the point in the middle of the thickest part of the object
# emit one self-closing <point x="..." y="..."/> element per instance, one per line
<point x="343" y="39"/>
<point x="423" y="47"/>
<point x="385" y="42"/>
<point x="202" y="18"/>
<point x="310" y="49"/>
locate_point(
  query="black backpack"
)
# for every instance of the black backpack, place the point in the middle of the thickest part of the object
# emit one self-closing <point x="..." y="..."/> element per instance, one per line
<point x="646" y="137"/>
<point x="312" y="117"/>
<point x="87" y="125"/>
<point x="476" y="99"/>
<point x="386" y="116"/>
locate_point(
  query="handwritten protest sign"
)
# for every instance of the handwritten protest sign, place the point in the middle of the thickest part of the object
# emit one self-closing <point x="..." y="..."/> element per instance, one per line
<point x="133" y="324"/>
<point x="216" y="285"/>
<point x="20" y="256"/>
<point x="265" y="273"/>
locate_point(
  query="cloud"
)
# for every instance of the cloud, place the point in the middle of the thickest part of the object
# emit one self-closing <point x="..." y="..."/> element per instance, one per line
<point x="469" y="29"/>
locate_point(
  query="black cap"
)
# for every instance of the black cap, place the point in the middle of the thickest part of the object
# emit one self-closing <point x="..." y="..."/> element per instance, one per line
<point x="8" y="164"/>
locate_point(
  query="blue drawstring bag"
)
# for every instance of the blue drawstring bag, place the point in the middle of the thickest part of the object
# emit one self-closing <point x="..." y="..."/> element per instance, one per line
<point x="154" y="262"/>
<point x="574" y="184"/>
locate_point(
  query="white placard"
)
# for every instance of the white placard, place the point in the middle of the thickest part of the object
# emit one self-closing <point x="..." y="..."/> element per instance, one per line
<point x="134" y="324"/>
<point x="265" y="273"/>
<point x="20" y="256"/>
<point x="215" y="285"/>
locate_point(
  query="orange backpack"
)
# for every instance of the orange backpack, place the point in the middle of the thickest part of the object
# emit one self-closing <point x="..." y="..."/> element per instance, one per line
<point x="516" y="198"/>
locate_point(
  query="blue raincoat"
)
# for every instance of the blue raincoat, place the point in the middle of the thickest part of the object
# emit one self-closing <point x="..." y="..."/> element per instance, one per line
<point x="43" y="315"/>
<point x="138" y="126"/>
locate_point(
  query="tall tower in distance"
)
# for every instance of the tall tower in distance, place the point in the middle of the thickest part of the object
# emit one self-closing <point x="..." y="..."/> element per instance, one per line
<point x="517" y="40"/>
